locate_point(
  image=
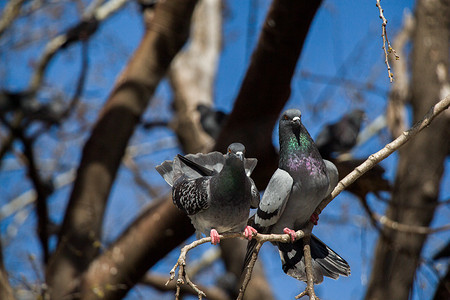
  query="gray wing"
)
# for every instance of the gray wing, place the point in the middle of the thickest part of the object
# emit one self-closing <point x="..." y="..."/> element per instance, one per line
<point x="254" y="201"/>
<point x="249" y="165"/>
<point x="274" y="199"/>
<point x="191" y="195"/>
<point x="333" y="175"/>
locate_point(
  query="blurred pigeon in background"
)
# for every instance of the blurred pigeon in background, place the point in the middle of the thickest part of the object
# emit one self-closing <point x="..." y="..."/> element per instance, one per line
<point x="340" y="137"/>
<point x="211" y="120"/>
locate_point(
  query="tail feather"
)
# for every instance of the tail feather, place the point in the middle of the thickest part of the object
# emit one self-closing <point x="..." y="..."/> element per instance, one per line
<point x="196" y="167"/>
<point x="166" y="171"/>
<point x="251" y="246"/>
<point x="325" y="261"/>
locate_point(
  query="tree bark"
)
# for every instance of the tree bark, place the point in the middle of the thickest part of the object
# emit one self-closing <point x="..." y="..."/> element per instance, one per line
<point x="421" y="163"/>
<point x="267" y="84"/>
<point x="80" y="235"/>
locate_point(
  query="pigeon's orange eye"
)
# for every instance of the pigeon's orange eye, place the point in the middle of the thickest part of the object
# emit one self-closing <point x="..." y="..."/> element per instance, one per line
<point x="286" y="117"/>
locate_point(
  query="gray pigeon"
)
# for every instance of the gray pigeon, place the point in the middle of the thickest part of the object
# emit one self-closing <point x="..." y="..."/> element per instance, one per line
<point x="303" y="179"/>
<point x="214" y="190"/>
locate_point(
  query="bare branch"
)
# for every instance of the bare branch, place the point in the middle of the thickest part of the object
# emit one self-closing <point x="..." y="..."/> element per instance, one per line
<point x="400" y="91"/>
<point x="386" y="42"/>
<point x="260" y="238"/>
<point x="386" y="151"/>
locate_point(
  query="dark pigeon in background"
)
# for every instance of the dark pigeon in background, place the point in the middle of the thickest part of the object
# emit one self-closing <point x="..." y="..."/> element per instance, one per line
<point x="303" y="179"/>
<point x="211" y="120"/>
<point x="340" y="137"/>
<point x="214" y="190"/>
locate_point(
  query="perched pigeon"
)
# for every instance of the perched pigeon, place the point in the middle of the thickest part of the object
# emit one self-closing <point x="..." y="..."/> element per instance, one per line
<point x="341" y="136"/>
<point x="303" y="179"/>
<point x="215" y="190"/>
<point x="211" y="120"/>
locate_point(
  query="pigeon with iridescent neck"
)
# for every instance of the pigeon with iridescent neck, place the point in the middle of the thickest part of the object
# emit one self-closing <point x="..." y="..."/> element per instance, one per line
<point x="214" y="190"/>
<point x="303" y="179"/>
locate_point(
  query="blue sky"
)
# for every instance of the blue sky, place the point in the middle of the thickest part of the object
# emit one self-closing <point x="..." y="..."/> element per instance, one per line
<point x="344" y="42"/>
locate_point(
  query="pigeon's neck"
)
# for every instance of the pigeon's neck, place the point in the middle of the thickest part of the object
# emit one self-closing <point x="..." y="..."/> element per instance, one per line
<point x="298" y="151"/>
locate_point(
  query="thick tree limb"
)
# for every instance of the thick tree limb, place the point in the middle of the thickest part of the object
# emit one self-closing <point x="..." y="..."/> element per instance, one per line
<point x="267" y="84"/>
<point x="10" y="13"/>
<point x="104" y="150"/>
<point x="421" y="164"/>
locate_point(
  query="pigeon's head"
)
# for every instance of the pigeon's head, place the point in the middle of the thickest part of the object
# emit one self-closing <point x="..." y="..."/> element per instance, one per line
<point x="357" y="116"/>
<point x="291" y="117"/>
<point x="236" y="150"/>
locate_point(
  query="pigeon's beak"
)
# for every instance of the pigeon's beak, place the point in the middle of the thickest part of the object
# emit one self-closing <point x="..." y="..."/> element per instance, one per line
<point x="240" y="155"/>
<point x="296" y="120"/>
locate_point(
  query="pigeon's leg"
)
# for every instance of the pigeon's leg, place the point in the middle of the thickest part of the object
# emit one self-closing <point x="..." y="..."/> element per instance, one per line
<point x="215" y="239"/>
<point x="249" y="231"/>
<point x="314" y="218"/>
<point x="290" y="232"/>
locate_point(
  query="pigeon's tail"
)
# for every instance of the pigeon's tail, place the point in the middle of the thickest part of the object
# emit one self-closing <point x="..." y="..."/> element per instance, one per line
<point x="172" y="170"/>
<point x="325" y="262"/>
<point x="196" y="167"/>
<point x="251" y="246"/>
<point x="166" y="171"/>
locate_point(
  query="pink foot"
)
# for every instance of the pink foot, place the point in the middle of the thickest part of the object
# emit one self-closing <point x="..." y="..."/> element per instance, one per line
<point x="314" y="218"/>
<point x="290" y="232"/>
<point x="249" y="231"/>
<point x="215" y="239"/>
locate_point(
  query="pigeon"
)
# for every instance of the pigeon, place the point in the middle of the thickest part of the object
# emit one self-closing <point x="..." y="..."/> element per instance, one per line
<point x="303" y="179"/>
<point x="214" y="190"/>
<point x="340" y="137"/>
<point x="211" y="120"/>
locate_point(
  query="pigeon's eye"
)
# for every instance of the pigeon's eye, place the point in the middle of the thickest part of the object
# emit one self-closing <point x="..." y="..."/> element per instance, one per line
<point x="229" y="150"/>
<point x="286" y="117"/>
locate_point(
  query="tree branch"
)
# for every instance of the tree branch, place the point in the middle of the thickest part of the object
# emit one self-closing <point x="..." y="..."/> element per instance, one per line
<point x="10" y="13"/>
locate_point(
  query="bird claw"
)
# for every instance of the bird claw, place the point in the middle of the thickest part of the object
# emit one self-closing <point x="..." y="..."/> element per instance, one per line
<point x="314" y="218"/>
<point x="249" y="231"/>
<point x="290" y="232"/>
<point x="215" y="239"/>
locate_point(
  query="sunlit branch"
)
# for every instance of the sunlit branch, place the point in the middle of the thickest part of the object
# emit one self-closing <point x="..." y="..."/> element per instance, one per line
<point x="10" y="13"/>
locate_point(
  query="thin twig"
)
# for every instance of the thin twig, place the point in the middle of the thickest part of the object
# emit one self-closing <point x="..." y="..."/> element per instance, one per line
<point x="386" y="151"/>
<point x="308" y="267"/>
<point x="386" y="42"/>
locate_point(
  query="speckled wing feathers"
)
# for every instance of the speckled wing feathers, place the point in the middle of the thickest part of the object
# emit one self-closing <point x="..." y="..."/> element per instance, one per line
<point x="191" y="196"/>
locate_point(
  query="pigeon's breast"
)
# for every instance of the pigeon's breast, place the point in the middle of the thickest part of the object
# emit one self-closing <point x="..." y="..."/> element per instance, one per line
<point x="222" y="218"/>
